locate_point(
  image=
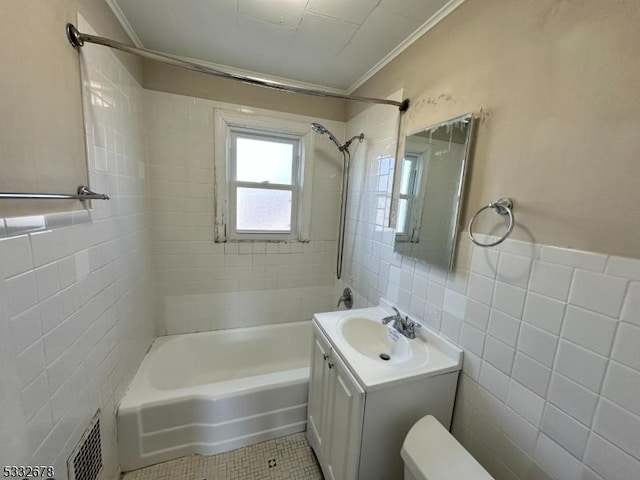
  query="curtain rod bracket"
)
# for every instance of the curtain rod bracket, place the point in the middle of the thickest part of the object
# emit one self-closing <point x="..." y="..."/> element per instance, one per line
<point x="73" y="35"/>
<point x="404" y="106"/>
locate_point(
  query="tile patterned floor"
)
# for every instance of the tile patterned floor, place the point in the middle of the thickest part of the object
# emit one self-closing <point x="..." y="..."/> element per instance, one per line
<point x="284" y="458"/>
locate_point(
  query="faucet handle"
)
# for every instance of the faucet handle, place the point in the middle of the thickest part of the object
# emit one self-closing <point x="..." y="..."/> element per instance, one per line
<point x="392" y="318"/>
<point x="411" y="328"/>
<point x="347" y="298"/>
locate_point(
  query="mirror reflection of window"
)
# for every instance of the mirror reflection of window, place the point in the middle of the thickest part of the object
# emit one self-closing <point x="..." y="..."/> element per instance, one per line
<point x="406" y="203"/>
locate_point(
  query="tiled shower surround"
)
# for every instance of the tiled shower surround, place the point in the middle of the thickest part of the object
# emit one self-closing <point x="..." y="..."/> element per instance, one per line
<point x="76" y="298"/>
<point x="202" y="285"/>
<point x="551" y="379"/>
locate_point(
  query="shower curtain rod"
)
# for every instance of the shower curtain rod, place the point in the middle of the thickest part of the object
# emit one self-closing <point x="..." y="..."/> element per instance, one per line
<point x="77" y="39"/>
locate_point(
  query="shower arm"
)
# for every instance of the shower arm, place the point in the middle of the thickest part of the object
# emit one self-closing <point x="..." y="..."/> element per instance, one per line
<point x="348" y="142"/>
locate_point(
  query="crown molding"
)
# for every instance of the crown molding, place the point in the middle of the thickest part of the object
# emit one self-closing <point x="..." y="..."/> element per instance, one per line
<point x="117" y="11"/>
<point x="428" y="25"/>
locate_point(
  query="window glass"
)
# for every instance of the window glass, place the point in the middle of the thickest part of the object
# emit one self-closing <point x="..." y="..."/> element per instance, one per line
<point x="403" y="205"/>
<point x="263" y="177"/>
<point x="408" y="175"/>
<point x="263" y="209"/>
<point x="264" y="161"/>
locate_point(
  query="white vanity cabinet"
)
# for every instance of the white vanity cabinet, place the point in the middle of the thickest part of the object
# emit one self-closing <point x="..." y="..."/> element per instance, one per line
<point x="336" y="406"/>
<point x="355" y="427"/>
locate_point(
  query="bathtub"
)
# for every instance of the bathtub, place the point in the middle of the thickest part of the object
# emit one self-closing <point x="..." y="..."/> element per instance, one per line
<point x="212" y="392"/>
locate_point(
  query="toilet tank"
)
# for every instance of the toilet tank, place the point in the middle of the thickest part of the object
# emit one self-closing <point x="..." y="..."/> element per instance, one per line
<point x="430" y="452"/>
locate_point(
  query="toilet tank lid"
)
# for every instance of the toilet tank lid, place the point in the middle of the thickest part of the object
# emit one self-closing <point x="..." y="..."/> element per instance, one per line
<point x="431" y="453"/>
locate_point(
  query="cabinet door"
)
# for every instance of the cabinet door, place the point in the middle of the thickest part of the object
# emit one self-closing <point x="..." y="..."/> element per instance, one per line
<point x="318" y="392"/>
<point x="345" y="422"/>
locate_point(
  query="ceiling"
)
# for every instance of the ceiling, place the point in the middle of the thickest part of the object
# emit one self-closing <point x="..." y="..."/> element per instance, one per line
<point x="333" y="43"/>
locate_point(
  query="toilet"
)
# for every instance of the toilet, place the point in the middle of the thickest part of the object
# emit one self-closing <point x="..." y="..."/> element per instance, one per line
<point x="430" y="452"/>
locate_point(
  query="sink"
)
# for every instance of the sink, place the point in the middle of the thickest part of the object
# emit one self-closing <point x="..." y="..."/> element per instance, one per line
<point x="369" y="402"/>
<point x="359" y="338"/>
<point x="380" y="343"/>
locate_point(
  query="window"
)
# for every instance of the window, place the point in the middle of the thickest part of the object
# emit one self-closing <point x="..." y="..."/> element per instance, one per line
<point x="263" y="178"/>
<point x="409" y="199"/>
<point x="262" y="188"/>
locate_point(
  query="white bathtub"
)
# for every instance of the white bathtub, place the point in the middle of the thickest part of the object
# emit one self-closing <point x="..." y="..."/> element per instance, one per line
<point x="212" y="392"/>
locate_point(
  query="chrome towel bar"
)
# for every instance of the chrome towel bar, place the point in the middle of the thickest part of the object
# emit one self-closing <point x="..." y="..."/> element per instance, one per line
<point x="503" y="206"/>
<point x="83" y="194"/>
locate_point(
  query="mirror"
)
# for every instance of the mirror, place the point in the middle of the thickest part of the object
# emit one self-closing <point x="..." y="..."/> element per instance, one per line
<point x="428" y="190"/>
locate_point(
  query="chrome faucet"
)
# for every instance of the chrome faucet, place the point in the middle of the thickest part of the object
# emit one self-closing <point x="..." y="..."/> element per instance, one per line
<point x="402" y="324"/>
<point x="347" y="298"/>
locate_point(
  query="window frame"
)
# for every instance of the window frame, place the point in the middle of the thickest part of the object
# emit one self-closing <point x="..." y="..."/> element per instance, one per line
<point x="228" y="124"/>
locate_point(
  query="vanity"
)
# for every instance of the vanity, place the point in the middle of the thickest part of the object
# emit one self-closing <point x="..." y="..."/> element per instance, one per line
<point x="369" y="385"/>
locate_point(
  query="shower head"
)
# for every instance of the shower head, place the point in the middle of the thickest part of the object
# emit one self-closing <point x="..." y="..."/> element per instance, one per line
<point x="316" y="127"/>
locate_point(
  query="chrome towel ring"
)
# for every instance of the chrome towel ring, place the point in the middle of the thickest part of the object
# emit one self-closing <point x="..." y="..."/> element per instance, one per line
<point x="503" y="206"/>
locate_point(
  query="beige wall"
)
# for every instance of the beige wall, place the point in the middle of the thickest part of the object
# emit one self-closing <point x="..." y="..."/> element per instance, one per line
<point x="165" y="78"/>
<point x="41" y="124"/>
<point x="558" y="85"/>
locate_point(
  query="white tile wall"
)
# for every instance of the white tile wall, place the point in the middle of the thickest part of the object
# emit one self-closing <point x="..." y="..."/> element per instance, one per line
<point x="198" y="281"/>
<point x="76" y="299"/>
<point x="544" y="313"/>
<point x="532" y="374"/>
<point x="622" y="387"/>
<point x="618" y="426"/>
<point x="551" y="378"/>
<point x="581" y="365"/>
<point x="608" y="461"/>
<point x="625" y="348"/>
<point x="565" y="430"/>
<point x="589" y="329"/>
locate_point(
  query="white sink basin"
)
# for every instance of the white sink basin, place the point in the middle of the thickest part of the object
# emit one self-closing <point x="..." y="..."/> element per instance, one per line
<point x="379" y="342"/>
<point x="359" y="337"/>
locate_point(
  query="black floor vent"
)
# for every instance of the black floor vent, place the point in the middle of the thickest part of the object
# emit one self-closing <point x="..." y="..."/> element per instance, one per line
<point x="85" y="463"/>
